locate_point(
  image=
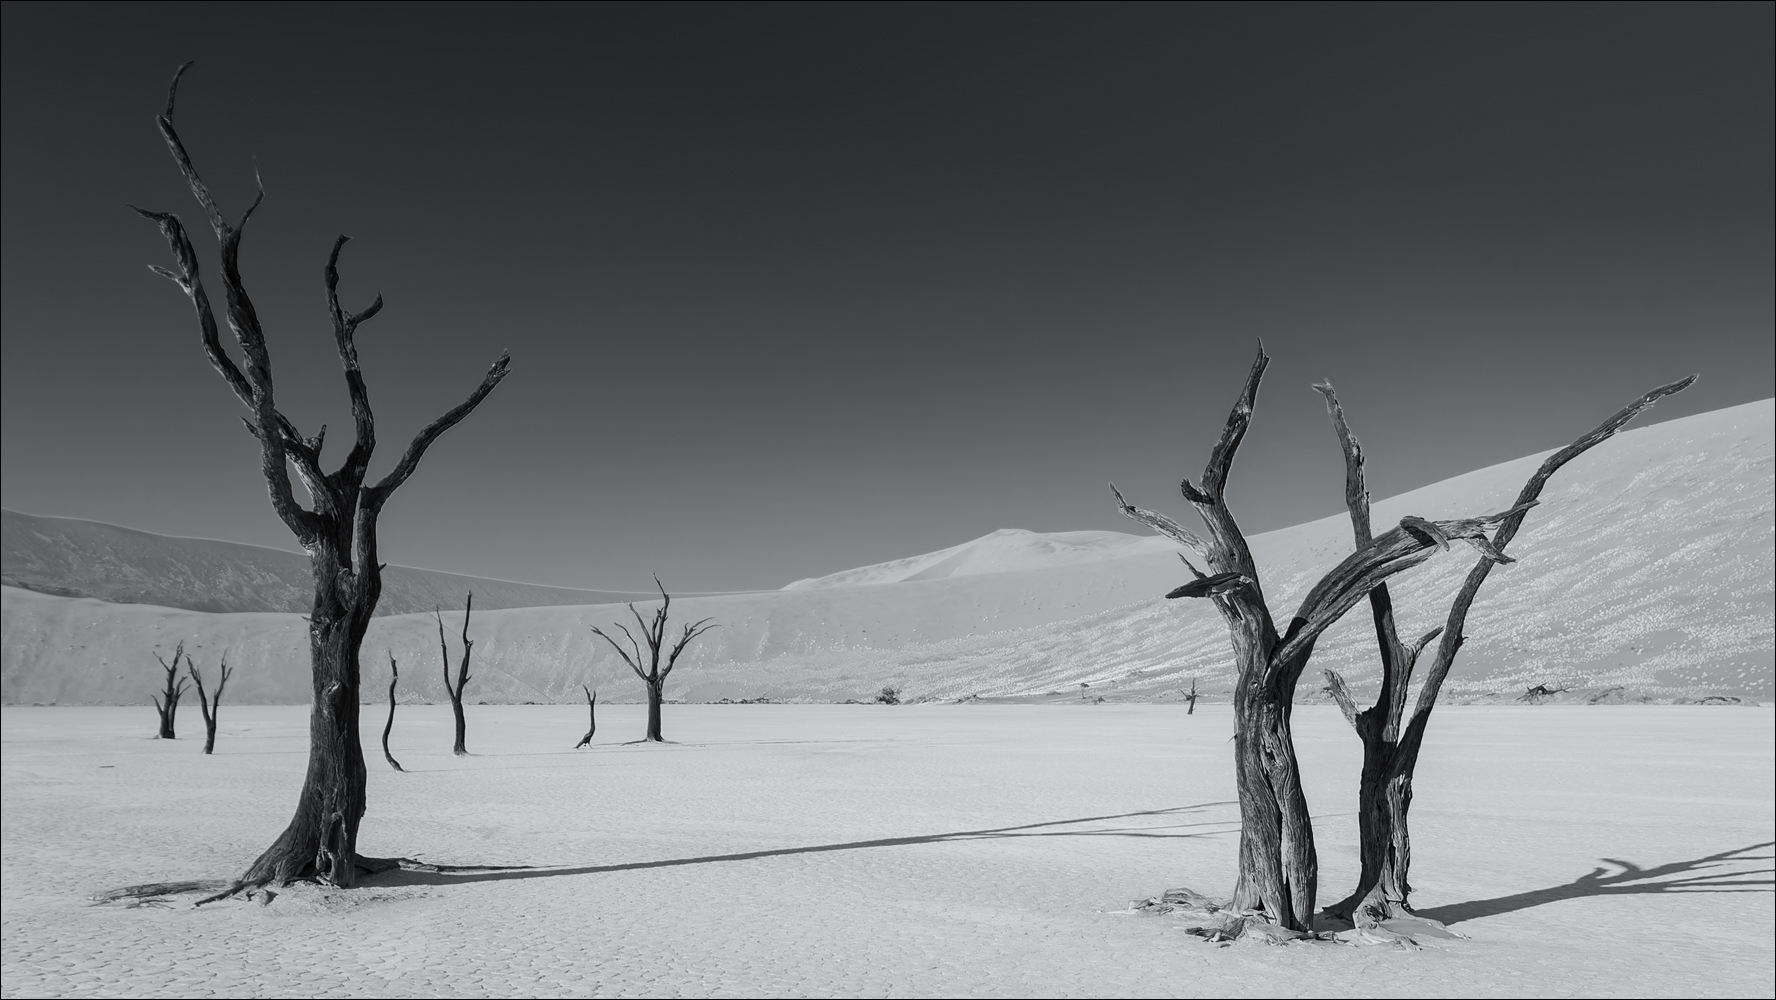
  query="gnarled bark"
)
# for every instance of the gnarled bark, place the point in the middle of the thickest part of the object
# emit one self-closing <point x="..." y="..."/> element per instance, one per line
<point x="339" y="533"/>
<point x="1279" y="867"/>
<point x="1392" y="739"/>
<point x="654" y="635"/>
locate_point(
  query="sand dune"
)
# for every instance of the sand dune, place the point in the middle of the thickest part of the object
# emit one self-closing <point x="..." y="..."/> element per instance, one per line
<point x="1646" y="573"/>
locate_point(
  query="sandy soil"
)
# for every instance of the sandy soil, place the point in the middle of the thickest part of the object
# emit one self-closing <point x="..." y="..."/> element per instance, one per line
<point x="905" y="851"/>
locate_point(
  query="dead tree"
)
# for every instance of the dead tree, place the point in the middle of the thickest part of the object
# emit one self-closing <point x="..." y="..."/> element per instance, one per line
<point x="1191" y="698"/>
<point x="338" y="531"/>
<point x="462" y="674"/>
<point x="654" y="634"/>
<point x="167" y="702"/>
<point x="1392" y="738"/>
<point x="211" y="708"/>
<point x="389" y="726"/>
<point x="1278" y="865"/>
<point x="591" y="716"/>
<point x="1540" y="693"/>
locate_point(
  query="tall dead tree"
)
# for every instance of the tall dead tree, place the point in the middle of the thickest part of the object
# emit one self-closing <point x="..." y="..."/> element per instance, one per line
<point x="591" y="717"/>
<point x="389" y="726"/>
<point x="1278" y="864"/>
<point x="167" y="702"/>
<point x="462" y="674"/>
<point x="211" y="708"/>
<point x="1392" y="738"/>
<point x="654" y="634"/>
<point x="339" y="531"/>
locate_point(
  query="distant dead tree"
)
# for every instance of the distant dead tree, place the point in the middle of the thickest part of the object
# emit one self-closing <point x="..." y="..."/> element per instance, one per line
<point x="211" y="708"/>
<point x="654" y="634"/>
<point x="1540" y="693"/>
<point x="591" y="715"/>
<point x="1191" y="698"/>
<point x="462" y="673"/>
<point x="339" y="533"/>
<point x="167" y="702"/>
<point x="1278" y="864"/>
<point x="1392" y="738"/>
<point x="389" y="726"/>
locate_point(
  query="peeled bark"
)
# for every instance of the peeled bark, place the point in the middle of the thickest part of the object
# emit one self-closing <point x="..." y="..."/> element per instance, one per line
<point x="211" y="708"/>
<point x="1392" y="739"/>
<point x="1279" y="868"/>
<point x="339" y="533"/>
<point x="654" y="635"/>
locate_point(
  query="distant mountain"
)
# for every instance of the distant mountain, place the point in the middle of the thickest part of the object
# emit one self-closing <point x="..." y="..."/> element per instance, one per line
<point x="1648" y="571"/>
<point x="67" y="557"/>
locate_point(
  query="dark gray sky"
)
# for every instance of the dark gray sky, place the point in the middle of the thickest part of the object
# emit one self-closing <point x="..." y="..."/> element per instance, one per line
<point x="792" y="289"/>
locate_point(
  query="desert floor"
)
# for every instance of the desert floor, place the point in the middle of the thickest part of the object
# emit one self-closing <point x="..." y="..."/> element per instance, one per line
<point x="827" y="850"/>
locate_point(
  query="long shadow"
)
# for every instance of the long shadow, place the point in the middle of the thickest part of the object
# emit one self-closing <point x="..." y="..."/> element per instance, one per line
<point x="1630" y="879"/>
<point x="411" y="876"/>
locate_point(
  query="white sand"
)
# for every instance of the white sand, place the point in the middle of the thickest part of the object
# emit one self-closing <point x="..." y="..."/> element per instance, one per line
<point x="850" y="850"/>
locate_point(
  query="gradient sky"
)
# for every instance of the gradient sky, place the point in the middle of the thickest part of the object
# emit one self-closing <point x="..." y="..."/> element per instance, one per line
<point x="793" y="289"/>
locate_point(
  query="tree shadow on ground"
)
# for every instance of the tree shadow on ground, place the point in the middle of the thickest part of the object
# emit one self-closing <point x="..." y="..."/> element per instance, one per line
<point x="1628" y="879"/>
<point x="413" y="876"/>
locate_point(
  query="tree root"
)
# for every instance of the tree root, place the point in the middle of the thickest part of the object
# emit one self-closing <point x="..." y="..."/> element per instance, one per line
<point x="1217" y="921"/>
<point x="158" y="893"/>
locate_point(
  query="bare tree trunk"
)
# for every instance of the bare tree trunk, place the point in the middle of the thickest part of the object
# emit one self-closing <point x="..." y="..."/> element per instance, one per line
<point x="656" y="694"/>
<point x="462" y="676"/>
<point x="1279" y="869"/>
<point x="591" y="717"/>
<point x="211" y="710"/>
<point x="654" y="634"/>
<point x="1191" y="698"/>
<point x="321" y="840"/>
<point x="339" y="532"/>
<point x="167" y="702"/>
<point x="389" y="726"/>
<point x="1391" y="738"/>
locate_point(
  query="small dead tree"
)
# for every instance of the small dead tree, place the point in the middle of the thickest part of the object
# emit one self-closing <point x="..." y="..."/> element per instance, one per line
<point x="338" y="530"/>
<point x="167" y="702"/>
<point x="1278" y="864"/>
<point x="654" y="634"/>
<point x="1191" y="698"/>
<point x="1540" y="693"/>
<point x="212" y="707"/>
<point x="462" y="673"/>
<point x="389" y="726"/>
<point x="591" y="717"/>
<point x="1392" y="738"/>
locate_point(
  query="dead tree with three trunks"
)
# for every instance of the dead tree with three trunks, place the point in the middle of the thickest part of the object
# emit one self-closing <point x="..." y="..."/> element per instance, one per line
<point x="167" y="701"/>
<point x="211" y="707"/>
<point x="1278" y="865"/>
<point x="338" y="530"/>
<point x="389" y="726"/>
<point x="1191" y="698"/>
<point x="462" y="674"/>
<point x="1391" y="737"/>
<point x="591" y="716"/>
<point x="654" y="635"/>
